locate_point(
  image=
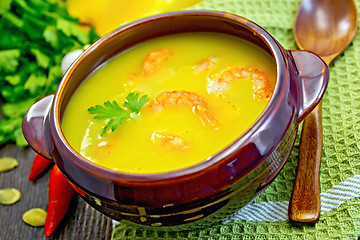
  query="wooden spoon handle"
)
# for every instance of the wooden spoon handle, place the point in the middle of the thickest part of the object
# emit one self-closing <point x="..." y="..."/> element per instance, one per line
<point x="304" y="205"/>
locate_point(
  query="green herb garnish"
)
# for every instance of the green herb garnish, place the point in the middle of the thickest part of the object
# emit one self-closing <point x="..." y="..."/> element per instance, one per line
<point x="35" y="36"/>
<point x="134" y="103"/>
<point x="112" y="111"/>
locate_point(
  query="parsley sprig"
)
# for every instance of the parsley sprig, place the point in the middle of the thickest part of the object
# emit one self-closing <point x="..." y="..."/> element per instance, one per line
<point x="111" y="110"/>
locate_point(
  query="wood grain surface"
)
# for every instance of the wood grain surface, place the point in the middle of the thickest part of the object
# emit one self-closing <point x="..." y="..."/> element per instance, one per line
<point x="81" y="221"/>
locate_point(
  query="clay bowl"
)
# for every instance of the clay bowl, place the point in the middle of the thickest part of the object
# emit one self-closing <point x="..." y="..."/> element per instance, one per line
<point x="210" y="190"/>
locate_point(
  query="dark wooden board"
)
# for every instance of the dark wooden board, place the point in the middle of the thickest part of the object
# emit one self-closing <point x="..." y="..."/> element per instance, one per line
<point x="81" y="221"/>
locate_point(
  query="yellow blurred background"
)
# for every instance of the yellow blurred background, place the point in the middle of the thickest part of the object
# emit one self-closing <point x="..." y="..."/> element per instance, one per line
<point x="107" y="15"/>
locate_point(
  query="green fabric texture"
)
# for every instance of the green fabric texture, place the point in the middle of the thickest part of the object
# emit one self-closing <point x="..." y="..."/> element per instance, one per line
<point x="341" y="152"/>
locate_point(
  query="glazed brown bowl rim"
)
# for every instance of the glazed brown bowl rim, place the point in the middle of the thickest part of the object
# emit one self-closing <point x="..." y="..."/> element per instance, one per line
<point x="113" y="175"/>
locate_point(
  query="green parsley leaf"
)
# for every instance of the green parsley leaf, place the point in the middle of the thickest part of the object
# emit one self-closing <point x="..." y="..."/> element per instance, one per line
<point x="51" y="36"/>
<point x="9" y="60"/>
<point x="41" y="58"/>
<point x="13" y="19"/>
<point x="112" y="111"/>
<point x="72" y="29"/>
<point x="35" y="83"/>
<point x="133" y="103"/>
<point x="13" y="79"/>
<point x="19" y="138"/>
<point x="9" y="125"/>
<point x="18" y="109"/>
<point x="7" y="128"/>
<point x="5" y="6"/>
<point x="112" y="124"/>
<point x="52" y="80"/>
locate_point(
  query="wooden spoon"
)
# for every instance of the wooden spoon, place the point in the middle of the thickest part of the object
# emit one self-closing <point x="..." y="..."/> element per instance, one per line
<point x="325" y="27"/>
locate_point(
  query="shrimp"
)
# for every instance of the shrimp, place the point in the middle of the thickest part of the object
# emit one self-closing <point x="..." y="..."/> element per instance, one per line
<point x="153" y="62"/>
<point x="205" y="64"/>
<point x="219" y="84"/>
<point x="186" y="99"/>
<point x="171" y="141"/>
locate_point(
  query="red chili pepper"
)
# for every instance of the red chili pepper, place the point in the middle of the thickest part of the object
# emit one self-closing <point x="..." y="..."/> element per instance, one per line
<point x="39" y="165"/>
<point x="60" y="194"/>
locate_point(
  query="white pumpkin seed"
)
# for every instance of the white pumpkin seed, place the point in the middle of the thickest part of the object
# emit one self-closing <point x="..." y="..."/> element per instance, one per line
<point x="9" y="196"/>
<point x="35" y="217"/>
<point x="7" y="163"/>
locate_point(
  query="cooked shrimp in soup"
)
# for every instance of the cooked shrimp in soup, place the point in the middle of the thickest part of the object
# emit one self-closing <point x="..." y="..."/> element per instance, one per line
<point x="219" y="84"/>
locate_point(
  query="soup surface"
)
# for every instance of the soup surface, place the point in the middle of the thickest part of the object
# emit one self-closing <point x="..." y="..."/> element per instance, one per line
<point x="203" y="90"/>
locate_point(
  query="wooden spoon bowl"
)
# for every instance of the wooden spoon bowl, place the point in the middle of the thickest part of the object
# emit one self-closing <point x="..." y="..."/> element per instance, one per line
<point x="325" y="27"/>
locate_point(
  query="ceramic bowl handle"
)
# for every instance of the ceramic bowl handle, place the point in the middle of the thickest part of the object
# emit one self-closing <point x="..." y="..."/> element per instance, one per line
<point x="35" y="126"/>
<point x="313" y="79"/>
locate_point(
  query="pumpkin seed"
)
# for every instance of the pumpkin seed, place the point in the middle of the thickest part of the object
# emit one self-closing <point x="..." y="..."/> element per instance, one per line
<point x="9" y="196"/>
<point x="7" y="163"/>
<point x="35" y="217"/>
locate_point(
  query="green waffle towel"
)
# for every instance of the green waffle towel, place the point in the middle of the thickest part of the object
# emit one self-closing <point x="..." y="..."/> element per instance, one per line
<point x="266" y="217"/>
